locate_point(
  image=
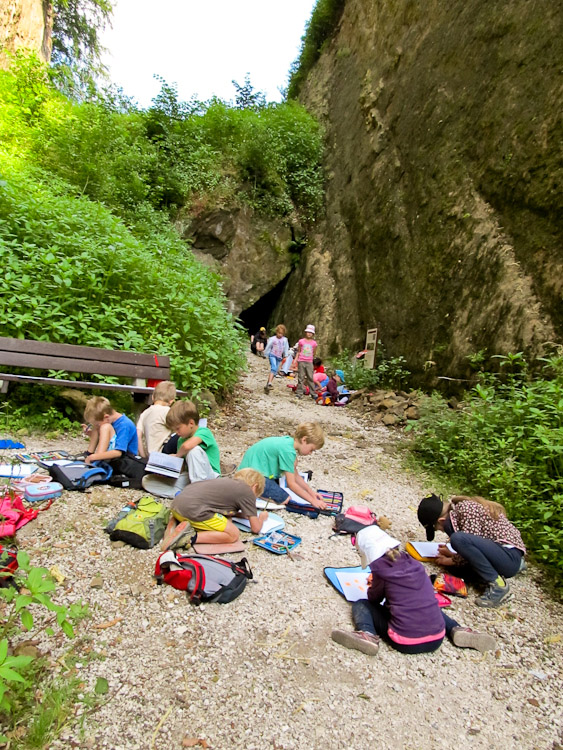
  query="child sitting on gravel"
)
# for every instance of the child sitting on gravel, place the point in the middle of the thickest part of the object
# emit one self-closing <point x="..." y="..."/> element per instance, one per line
<point x="410" y="620"/>
<point x="152" y="431"/>
<point x="277" y="456"/>
<point x="112" y="433"/>
<point x="195" y="443"/>
<point x="209" y="506"/>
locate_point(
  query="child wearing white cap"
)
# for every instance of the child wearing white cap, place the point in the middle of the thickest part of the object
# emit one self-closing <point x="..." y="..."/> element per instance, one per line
<point x="410" y="620"/>
<point x="305" y="355"/>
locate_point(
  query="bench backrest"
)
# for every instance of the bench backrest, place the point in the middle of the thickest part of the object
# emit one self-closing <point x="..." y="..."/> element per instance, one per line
<point x="44" y="355"/>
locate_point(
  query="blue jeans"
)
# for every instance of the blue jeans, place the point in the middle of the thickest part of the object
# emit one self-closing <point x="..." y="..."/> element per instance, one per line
<point x="274" y="364"/>
<point x="489" y="559"/>
<point x="374" y="618"/>
<point x="272" y="491"/>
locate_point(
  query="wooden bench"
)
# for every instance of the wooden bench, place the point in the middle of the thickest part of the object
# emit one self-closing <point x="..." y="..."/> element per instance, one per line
<point x="84" y="360"/>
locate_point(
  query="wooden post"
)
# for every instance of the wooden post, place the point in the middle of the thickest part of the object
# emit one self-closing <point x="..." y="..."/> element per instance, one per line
<point x="371" y="348"/>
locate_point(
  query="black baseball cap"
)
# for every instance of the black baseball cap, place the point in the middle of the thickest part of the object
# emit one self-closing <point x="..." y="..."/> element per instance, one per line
<point x="429" y="511"/>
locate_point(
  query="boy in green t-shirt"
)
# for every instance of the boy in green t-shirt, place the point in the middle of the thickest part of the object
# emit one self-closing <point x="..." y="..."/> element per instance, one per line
<point x="195" y="443"/>
<point x="277" y="456"/>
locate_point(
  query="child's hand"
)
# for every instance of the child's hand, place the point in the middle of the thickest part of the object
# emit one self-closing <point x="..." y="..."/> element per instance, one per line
<point x="445" y="555"/>
<point x="370" y="579"/>
<point x="318" y="502"/>
<point x="86" y="429"/>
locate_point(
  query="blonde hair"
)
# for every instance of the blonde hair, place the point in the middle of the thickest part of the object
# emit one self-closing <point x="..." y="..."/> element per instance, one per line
<point x="181" y="413"/>
<point x="252" y="477"/>
<point x="393" y="554"/>
<point x="493" y="509"/>
<point x="96" y="409"/>
<point x="312" y="432"/>
<point x="164" y="391"/>
<point x="281" y="329"/>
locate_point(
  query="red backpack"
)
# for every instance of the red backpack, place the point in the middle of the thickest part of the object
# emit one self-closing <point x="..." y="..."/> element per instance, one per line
<point x="204" y="578"/>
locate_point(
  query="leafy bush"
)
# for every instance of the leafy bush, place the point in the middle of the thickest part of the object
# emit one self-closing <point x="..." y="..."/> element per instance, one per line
<point x="507" y="444"/>
<point x="389" y="372"/>
<point x="324" y="19"/>
<point x="73" y="273"/>
<point x="21" y="675"/>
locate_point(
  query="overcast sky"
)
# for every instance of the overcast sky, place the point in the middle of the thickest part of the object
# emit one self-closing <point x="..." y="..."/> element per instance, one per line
<point x="202" y="45"/>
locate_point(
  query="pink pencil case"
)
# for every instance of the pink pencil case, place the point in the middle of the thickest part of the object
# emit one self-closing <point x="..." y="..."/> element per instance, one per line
<point x="48" y="491"/>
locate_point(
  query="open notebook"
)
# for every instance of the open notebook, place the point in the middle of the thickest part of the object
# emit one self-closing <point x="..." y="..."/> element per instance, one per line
<point x="165" y="464"/>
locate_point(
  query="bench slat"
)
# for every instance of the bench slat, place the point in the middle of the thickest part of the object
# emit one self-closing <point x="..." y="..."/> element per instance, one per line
<point x="80" y="384"/>
<point x="71" y="351"/>
<point x="117" y="369"/>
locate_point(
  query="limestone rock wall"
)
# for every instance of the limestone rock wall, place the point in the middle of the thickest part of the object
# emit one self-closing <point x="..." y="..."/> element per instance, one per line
<point x="25" y="24"/>
<point x="443" y="205"/>
<point x="253" y="254"/>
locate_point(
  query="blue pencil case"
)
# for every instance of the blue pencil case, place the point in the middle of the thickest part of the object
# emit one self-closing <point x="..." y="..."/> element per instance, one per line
<point x="36" y="492"/>
<point x="278" y="542"/>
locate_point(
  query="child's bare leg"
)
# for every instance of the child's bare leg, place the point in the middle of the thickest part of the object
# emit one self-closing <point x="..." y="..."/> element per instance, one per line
<point x="169" y="533"/>
<point x="230" y="535"/>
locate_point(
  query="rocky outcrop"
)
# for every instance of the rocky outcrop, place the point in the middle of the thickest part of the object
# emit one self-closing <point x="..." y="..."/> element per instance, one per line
<point x="25" y="24"/>
<point x="252" y="253"/>
<point x="443" y="206"/>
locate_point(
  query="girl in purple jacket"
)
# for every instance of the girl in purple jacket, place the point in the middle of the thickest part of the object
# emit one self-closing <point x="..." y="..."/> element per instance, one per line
<point x="410" y="619"/>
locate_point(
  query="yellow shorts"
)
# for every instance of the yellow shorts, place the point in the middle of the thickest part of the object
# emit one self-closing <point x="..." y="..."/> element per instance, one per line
<point x="217" y="522"/>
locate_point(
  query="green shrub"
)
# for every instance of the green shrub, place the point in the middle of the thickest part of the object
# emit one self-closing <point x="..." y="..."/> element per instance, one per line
<point x="506" y="444"/>
<point x="73" y="273"/>
<point x="320" y="27"/>
<point x="389" y="372"/>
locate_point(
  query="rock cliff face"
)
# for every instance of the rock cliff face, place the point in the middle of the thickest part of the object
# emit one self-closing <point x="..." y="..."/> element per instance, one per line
<point x="253" y="254"/>
<point x="25" y="23"/>
<point x="443" y="206"/>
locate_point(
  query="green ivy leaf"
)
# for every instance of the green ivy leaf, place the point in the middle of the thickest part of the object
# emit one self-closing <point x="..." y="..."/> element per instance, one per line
<point x="102" y="686"/>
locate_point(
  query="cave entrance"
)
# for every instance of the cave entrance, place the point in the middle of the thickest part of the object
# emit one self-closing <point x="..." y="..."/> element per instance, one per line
<point x="260" y="313"/>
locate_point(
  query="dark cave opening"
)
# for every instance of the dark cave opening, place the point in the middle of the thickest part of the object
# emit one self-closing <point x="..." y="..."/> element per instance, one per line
<point x="261" y="312"/>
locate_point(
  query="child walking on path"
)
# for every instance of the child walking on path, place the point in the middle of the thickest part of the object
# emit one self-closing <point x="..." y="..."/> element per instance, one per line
<point x="208" y="507"/>
<point x="277" y="456"/>
<point x="481" y="535"/>
<point x="305" y="355"/>
<point x="410" y="620"/>
<point x="276" y="349"/>
<point x="152" y="431"/>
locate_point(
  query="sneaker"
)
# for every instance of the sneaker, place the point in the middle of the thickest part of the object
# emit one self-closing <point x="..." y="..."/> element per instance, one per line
<point x="357" y="639"/>
<point x="227" y="469"/>
<point x="494" y="596"/>
<point x="266" y="389"/>
<point x="270" y="385"/>
<point x="467" y="638"/>
<point x="173" y="534"/>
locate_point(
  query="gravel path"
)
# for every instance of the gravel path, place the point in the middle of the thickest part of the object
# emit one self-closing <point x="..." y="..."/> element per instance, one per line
<point x="262" y="672"/>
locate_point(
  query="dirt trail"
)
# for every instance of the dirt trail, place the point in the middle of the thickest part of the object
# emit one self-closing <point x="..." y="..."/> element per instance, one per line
<point x="262" y="671"/>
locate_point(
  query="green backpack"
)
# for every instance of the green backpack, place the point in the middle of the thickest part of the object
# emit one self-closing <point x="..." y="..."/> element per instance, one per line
<point x="144" y="526"/>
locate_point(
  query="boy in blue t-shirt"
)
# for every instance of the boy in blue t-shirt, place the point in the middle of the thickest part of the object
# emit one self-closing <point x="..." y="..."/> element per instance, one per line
<point x="112" y="434"/>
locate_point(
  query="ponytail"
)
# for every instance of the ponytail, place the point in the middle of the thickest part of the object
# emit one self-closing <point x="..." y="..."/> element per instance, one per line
<point x="493" y="509"/>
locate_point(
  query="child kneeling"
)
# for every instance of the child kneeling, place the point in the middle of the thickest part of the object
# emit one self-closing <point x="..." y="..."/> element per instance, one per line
<point x="209" y="506"/>
<point x="410" y="620"/>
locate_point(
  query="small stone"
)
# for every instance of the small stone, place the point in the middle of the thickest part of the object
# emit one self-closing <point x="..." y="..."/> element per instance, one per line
<point x="97" y="582"/>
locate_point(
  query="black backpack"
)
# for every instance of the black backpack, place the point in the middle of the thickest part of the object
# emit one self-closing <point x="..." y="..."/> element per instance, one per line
<point x="204" y="578"/>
